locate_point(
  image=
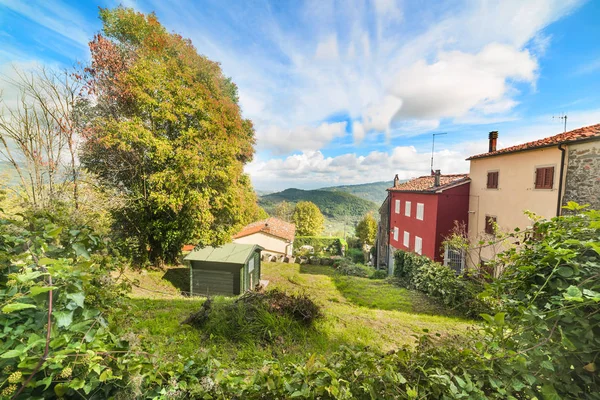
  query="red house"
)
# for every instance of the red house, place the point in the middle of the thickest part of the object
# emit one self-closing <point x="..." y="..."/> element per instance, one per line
<point x="422" y="212"/>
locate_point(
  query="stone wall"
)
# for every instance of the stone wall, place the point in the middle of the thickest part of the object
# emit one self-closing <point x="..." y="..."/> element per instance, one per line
<point x="383" y="233"/>
<point x="583" y="174"/>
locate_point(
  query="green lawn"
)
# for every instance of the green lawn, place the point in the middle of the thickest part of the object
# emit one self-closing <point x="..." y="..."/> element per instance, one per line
<point x="356" y="311"/>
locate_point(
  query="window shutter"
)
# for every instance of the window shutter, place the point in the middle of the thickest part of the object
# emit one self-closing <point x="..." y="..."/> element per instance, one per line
<point x="492" y="180"/>
<point x="489" y="224"/>
<point x="544" y="178"/>
<point x="549" y="178"/>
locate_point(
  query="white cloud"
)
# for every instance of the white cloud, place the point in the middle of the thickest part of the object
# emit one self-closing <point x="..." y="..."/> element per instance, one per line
<point x="313" y="169"/>
<point x="327" y="49"/>
<point x="284" y="140"/>
<point x="459" y="82"/>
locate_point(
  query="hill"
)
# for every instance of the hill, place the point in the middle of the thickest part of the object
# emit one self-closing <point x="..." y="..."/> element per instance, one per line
<point x="336" y="205"/>
<point x="374" y="191"/>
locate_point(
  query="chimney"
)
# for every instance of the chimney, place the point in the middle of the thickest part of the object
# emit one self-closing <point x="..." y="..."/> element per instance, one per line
<point x="396" y="181"/>
<point x="493" y="140"/>
<point x="436" y="178"/>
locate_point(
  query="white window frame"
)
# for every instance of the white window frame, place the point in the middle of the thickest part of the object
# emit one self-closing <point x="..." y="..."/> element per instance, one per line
<point x="418" y="245"/>
<point x="396" y="233"/>
<point x="251" y="265"/>
<point x="420" y="211"/>
<point x="407" y="206"/>
<point x="397" y="205"/>
<point x="406" y="239"/>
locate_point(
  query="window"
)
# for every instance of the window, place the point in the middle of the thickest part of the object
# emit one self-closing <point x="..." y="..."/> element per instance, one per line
<point x="397" y="206"/>
<point x="407" y="209"/>
<point x="251" y="265"/>
<point x="418" y="245"/>
<point x="489" y="224"/>
<point x="406" y="241"/>
<point x="544" y="178"/>
<point x="492" y="180"/>
<point x="396" y="233"/>
<point x="420" y="211"/>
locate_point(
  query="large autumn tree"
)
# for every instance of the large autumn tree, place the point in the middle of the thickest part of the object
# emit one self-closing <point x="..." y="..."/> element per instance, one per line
<point x="168" y="133"/>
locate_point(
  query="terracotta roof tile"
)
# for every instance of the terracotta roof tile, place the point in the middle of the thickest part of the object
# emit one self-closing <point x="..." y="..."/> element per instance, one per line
<point x="425" y="183"/>
<point x="571" y="136"/>
<point x="271" y="226"/>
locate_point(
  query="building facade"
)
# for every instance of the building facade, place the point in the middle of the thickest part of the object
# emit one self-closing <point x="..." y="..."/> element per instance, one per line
<point x="424" y="211"/>
<point x="538" y="177"/>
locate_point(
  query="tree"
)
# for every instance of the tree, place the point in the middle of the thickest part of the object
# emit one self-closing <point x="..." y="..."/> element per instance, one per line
<point x="366" y="229"/>
<point x="284" y="211"/>
<point x="168" y="134"/>
<point x="39" y="135"/>
<point x="308" y="219"/>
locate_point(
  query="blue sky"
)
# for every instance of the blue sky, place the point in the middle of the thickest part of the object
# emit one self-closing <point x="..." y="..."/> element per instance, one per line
<point x="351" y="91"/>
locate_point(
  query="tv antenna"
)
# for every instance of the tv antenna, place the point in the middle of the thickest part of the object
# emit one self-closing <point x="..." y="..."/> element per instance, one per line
<point x="433" y="146"/>
<point x="562" y="117"/>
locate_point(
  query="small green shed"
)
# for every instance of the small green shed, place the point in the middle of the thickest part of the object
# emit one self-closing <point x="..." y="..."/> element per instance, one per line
<point x="227" y="270"/>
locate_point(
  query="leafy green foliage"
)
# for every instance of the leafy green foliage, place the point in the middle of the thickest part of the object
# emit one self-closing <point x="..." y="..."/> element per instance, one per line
<point x="321" y="244"/>
<point x="169" y="135"/>
<point x="284" y="211"/>
<point x="548" y="320"/>
<point x="335" y="205"/>
<point x="366" y="229"/>
<point x="308" y="219"/>
<point x="439" y="282"/>
<point x="45" y="265"/>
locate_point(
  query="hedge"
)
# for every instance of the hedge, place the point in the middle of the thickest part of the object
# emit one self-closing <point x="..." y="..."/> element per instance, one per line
<point x="325" y="244"/>
<point x="439" y="282"/>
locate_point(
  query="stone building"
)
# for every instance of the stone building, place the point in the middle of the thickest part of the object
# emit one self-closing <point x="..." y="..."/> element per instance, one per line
<point x="582" y="183"/>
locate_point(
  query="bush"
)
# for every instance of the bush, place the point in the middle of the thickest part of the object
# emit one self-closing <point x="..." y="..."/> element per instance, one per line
<point x="322" y="245"/>
<point x="347" y="267"/>
<point x="378" y="274"/>
<point x="439" y="282"/>
<point x="262" y="316"/>
<point x="356" y="255"/>
<point x="57" y="300"/>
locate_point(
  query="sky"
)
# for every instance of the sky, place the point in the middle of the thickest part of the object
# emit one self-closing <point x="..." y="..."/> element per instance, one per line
<point x="348" y="92"/>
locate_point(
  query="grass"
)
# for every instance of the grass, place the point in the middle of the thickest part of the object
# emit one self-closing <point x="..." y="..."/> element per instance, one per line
<point x="379" y="294"/>
<point x="357" y="311"/>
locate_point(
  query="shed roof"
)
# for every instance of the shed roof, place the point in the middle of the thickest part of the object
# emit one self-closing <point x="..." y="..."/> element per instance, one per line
<point x="230" y="253"/>
<point x="585" y="133"/>
<point x="272" y="226"/>
<point x="426" y="183"/>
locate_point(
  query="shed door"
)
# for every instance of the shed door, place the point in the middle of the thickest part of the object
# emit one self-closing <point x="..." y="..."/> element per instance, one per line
<point x="212" y="282"/>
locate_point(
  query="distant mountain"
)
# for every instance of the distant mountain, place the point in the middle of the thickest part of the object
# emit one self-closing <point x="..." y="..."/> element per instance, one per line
<point x="333" y="204"/>
<point x="374" y="191"/>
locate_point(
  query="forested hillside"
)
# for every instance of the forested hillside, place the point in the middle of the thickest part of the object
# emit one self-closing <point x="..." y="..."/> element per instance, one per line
<point x="374" y="191"/>
<point x="333" y="204"/>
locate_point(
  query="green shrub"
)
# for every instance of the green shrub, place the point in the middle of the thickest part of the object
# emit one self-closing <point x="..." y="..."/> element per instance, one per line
<point x="321" y="244"/>
<point x="347" y="267"/>
<point x="356" y="255"/>
<point x="439" y="282"/>
<point x="258" y="316"/>
<point x="378" y="274"/>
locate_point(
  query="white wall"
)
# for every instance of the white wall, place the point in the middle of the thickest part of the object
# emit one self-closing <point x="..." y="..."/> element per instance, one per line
<point x="270" y="243"/>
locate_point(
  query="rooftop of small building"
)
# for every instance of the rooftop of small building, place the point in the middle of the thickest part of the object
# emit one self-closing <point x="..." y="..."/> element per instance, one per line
<point x="426" y="183"/>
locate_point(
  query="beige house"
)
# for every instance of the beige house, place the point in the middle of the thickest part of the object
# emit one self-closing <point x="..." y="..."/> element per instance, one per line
<point x="275" y="236"/>
<point x="538" y="176"/>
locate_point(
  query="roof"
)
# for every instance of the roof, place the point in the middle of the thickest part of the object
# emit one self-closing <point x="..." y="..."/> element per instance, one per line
<point x="425" y="183"/>
<point x="271" y="226"/>
<point x="585" y="133"/>
<point x="231" y="253"/>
